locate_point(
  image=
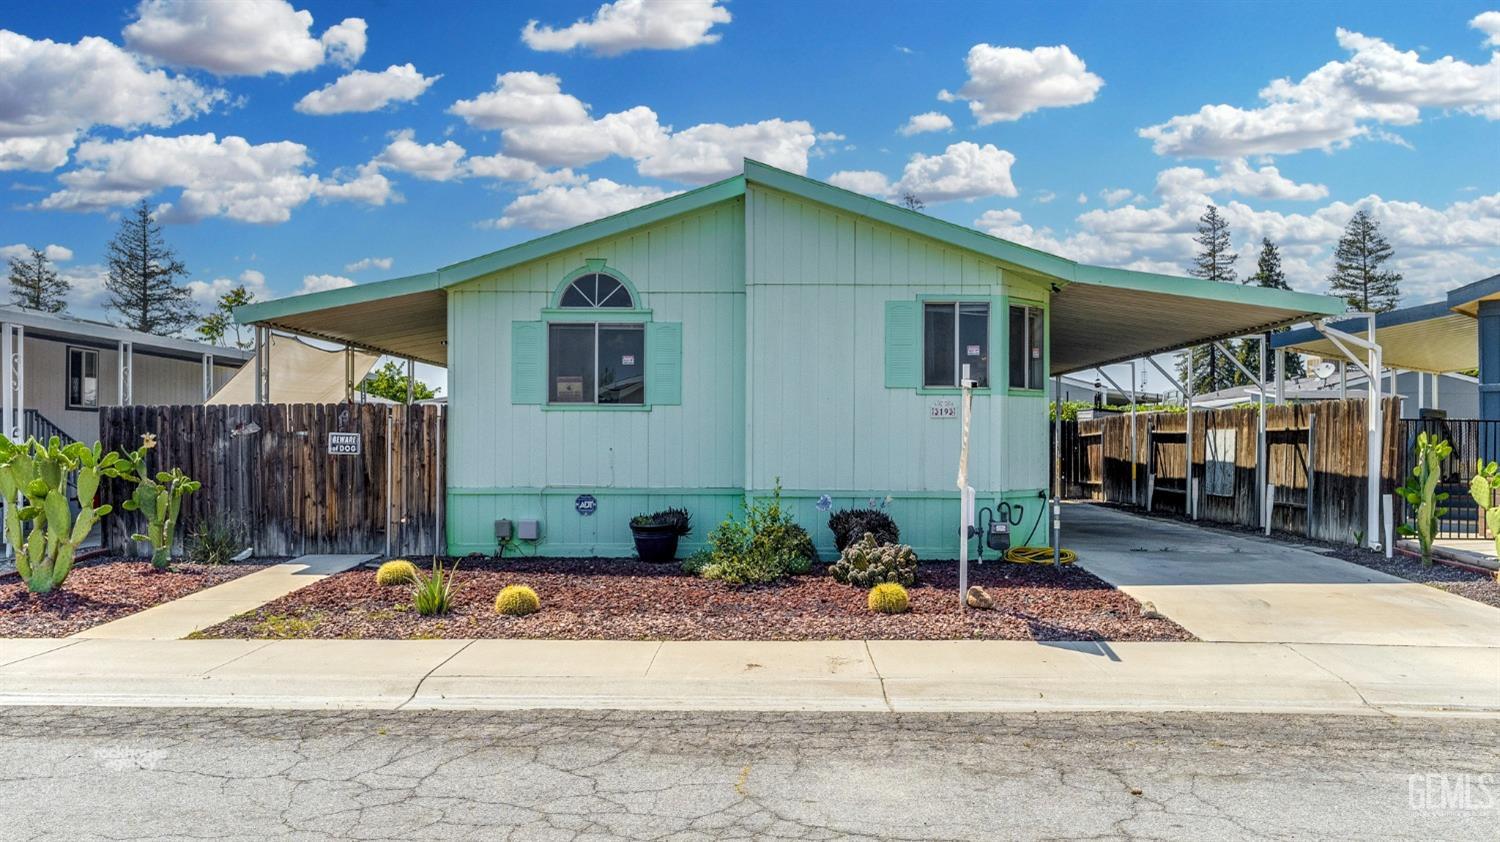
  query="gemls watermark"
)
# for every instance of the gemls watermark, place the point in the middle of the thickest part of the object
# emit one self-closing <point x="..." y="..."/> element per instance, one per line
<point x="1457" y="791"/>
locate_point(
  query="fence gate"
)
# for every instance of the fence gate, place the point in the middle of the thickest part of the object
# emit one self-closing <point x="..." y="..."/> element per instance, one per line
<point x="297" y="478"/>
<point x="1472" y="440"/>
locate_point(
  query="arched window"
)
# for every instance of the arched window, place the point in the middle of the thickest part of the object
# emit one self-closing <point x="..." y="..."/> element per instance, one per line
<point x="599" y="362"/>
<point x="597" y="290"/>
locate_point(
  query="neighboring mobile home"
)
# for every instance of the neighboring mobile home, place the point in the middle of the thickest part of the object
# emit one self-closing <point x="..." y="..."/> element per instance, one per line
<point x="65" y="368"/>
<point x="767" y="328"/>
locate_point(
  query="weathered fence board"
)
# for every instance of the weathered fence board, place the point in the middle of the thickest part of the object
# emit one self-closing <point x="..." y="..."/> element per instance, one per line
<point x="267" y="466"/>
<point x="1319" y="443"/>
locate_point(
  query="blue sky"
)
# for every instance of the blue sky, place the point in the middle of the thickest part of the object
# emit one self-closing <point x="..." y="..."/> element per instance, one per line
<point x="1047" y="140"/>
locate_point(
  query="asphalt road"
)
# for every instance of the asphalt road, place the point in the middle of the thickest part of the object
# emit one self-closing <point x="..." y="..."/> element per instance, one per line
<point x="255" y="775"/>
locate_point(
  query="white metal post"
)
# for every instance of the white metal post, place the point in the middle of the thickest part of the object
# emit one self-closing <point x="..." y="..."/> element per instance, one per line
<point x="1260" y="453"/>
<point x="1373" y="416"/>
<point x="208" y="376"/>
<point x="8" y="382"/>
<point x="348" y="374"/>
<point x="1192" y="487"/>
<point x="1436" y="379"/>
<point x="1134" y="484"/>
<point x="1280" y="377"/>
<point x="1057" y="466"/>
<point x="125" y="373"/>
<point x="1343" y="381"/>
<point x="260" y="375"/>
<point x="411" y="379"/>
<point x="965" y="491"/>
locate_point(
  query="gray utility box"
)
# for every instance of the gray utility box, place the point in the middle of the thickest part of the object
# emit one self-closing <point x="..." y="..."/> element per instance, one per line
<point x="528" y="529"/>
<point x="502" y="529"/>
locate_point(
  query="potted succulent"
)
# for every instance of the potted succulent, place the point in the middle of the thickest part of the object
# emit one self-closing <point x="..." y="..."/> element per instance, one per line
<point x="656" y="534"/>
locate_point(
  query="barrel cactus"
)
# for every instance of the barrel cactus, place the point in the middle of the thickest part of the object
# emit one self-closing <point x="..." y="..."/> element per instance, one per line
<point x="517" y="601"/>
<point x="867" y="563"/>
<point x="157" y="496"/>
<point x="396" y="572"/>
<point x="888" y="598"/>
<point x="42" y="530"/>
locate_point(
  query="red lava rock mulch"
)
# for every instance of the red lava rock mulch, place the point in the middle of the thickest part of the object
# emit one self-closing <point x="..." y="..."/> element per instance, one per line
<point x="101" y="590"/>
<point x="621" y="599"/>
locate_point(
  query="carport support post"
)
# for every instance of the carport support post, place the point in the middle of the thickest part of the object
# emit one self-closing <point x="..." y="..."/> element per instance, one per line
<point x="1134" y="483"/>
<point x="411" y="378"/>
<point x="1056" y="507"/>
<point x="1260" y="453"/>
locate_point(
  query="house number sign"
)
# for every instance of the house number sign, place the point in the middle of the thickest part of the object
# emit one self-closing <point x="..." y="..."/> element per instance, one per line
<point x="942" y="408"/>
<point x="343" y="444"/>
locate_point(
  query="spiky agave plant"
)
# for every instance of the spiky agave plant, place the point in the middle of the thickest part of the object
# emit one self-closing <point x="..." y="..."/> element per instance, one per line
<point x="433" y="593"/>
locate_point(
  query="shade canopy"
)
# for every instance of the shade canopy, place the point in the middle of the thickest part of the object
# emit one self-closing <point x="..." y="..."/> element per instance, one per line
<point x="300" y="373"/>
<point x="1099" y="315"/>
<point x="1437" y="337"/>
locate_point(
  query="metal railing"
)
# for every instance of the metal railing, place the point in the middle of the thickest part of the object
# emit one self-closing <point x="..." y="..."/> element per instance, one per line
<point x="1473" y="440"/>
<point x="42" y="428"/>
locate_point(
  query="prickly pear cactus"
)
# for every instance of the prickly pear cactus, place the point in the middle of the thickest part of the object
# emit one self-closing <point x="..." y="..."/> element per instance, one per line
<point x="866" y="563"/>
<point x="39" y="522"/>
<point x="158" y="497"/>
<point x="1421" y="494"/>
<point x="1482" y="489"/>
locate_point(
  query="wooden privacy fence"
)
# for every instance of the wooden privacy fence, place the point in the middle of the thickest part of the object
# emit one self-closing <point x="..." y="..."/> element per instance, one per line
<point x="1315" y="460"/>
<point x="270" y="469"/>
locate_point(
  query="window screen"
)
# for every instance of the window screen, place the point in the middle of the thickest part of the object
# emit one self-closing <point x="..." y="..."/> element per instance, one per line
<point x="1027" y="348"/>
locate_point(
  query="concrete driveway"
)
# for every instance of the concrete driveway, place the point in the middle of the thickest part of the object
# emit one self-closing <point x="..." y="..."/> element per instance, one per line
<point x="1225" y="587"/>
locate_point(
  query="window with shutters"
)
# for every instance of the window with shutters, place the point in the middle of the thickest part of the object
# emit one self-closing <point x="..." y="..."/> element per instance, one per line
<point x="955" y="334"/>
<point x="596" y="362"/>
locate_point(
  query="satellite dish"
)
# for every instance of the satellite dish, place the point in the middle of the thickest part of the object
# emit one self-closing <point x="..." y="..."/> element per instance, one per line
<point x="1325" y="369"/>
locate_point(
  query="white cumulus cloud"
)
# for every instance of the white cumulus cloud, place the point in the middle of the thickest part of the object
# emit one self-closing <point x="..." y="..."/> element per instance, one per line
<point x="565" y="205"/>
<point x="430" y="161"/>
<point x="22" y="251"/>
<point x="964" y="170"/>
<point x="240" y="37"/>
<point x="931" y="121"/>
<point x="364" y="263"/>
<point x="208" y="293"/>
<point x="323" y="283"/>
<point x="1007" y="83"/>
<point x="363" y="90"/>
<point x="712" y="151"/>
<point x="627" y="25"/>
<point x="51" y="92"/>
<point x="1236" y="176"/>
<point x="1328" y="108"/>
<point x="1489" y="24"/>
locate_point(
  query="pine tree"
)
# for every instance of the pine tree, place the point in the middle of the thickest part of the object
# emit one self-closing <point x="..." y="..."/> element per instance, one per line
<point x="142" y="278"/>
<point x="1357" y="274"/>
<point x="1268" y="274"/>
<point x="1214" y="262"/>
<point x="34" y="284"/>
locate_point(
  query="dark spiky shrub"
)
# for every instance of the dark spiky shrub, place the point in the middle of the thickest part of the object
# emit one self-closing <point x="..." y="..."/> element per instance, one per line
<point x="849" y="525"/>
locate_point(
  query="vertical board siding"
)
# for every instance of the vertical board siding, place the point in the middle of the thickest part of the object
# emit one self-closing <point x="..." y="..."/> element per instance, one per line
<point x="504" y="457"/>
<point x="267" y="467"/>
<point x="823" y="417"/>
<point x="1098" y="464"/>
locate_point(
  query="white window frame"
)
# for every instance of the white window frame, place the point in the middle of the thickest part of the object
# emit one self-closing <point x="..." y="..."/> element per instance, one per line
<point x="83" y="353"/>
<point x="639" y="326"/>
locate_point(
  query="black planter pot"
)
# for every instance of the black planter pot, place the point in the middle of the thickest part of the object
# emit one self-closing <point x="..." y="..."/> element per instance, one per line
<point x="655" y="543"/>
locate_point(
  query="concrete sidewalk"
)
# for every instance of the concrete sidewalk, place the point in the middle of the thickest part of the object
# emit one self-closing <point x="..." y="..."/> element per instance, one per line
<point x="908" y="676"/>
<point x="183" y="616"/>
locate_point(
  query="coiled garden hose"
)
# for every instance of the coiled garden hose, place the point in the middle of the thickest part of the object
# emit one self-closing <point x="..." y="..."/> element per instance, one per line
<point x="1039" y="555"/>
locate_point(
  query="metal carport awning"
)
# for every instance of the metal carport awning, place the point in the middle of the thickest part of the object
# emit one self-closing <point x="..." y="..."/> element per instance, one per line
<point x="404" y="317"/>
<point x="1111" y="316"/>
<point x="1431" y="338"/>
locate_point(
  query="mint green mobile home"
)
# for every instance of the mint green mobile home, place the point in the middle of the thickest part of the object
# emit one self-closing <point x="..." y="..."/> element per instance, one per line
<point x="767" y="328"/>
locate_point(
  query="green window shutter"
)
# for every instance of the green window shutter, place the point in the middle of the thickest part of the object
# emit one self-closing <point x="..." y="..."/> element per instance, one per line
<point x="664" y="363"/>
<point x="528" y="362"/>
<point x="903" y="353"/>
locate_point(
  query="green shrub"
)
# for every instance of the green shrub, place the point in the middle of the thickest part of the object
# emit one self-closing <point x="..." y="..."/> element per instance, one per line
<point x="216" y="540"/>
<point x="517" y="601"/>
<point x="849" y="525"/>
<point x="693" y="565"/>
<point x="432" y="595"/>
<point x="868" y="563"/>
<point x="799" y="565"/>
<point x="396" y="572"/>
<point x="763" y="547"/>
<point x="888" y="598"/>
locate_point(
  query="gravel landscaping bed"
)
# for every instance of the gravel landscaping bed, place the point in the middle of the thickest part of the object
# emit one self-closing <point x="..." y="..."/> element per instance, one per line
<point x="1465" y="583"/>
<point x="621" y="599"/>
<point x="101" y="590"/>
